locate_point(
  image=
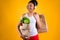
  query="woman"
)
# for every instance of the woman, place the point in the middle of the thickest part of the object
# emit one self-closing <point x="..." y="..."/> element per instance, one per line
<point x="33" y="31"/>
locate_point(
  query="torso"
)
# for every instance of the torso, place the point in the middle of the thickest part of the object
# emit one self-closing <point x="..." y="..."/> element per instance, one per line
<point x="32" y="25"/>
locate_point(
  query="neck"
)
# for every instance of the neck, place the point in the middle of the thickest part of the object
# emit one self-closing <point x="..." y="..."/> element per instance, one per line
<point x="30" y="13"/>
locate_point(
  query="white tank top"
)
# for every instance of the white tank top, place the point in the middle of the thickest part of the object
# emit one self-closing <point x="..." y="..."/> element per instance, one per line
<point x="32" y="25"/>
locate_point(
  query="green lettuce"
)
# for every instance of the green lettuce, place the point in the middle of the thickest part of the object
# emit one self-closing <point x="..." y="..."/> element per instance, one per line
<point x="25" y="20"/>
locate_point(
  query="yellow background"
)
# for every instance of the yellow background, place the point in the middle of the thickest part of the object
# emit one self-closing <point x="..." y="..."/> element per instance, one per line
<point x="11" y="11"/>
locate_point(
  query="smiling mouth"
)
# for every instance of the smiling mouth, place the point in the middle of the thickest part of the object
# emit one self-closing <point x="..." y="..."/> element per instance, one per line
<point x="30" y="8"/>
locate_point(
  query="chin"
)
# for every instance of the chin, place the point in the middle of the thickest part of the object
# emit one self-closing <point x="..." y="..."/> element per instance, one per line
<point x="30" y="11"/>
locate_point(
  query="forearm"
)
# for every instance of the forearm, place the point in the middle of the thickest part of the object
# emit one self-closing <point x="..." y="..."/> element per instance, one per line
<point x="39" y="23"/>
<point x="20" y="24"/>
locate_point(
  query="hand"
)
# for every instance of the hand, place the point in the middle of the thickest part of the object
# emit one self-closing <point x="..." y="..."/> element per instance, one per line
<point x="21" y="36"/>
<point x="24" y="37"/>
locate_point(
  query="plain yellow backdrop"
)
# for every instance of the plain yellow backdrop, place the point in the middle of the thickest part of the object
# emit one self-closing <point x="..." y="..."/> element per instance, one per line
<point x="11" y="11"/>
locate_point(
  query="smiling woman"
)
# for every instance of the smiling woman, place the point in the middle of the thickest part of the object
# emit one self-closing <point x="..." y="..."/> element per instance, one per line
<point x="36" y="25"/>
<point x="11" y="11"/>
<point x="32" y="25"/>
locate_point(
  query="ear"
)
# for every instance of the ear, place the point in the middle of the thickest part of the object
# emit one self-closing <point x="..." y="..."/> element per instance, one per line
<point x="34" y="7"/>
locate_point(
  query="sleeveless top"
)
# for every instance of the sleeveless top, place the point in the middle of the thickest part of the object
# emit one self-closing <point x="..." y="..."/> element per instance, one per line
<point x="32" y="25"/>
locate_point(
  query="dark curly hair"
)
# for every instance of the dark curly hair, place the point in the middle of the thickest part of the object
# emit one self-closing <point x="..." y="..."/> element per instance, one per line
<point x="34" y="2"/>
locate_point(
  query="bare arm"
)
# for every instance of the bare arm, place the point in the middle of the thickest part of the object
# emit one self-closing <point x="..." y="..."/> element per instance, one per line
<point x="19" y="25"/>
<point x="41" y="24"/>
<point x="38" y="20"/>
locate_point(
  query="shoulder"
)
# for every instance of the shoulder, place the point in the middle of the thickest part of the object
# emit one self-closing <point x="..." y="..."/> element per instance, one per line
<point x="36" y="14"/>
<point x="40" y="15"/>
<point x="24" y="14"/>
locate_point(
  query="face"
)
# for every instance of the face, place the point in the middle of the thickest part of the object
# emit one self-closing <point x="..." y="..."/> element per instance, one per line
<point x="30" y="7"/>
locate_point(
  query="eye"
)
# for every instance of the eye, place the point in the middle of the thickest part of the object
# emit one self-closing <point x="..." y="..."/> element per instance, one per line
<point x="30" y="5"/>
